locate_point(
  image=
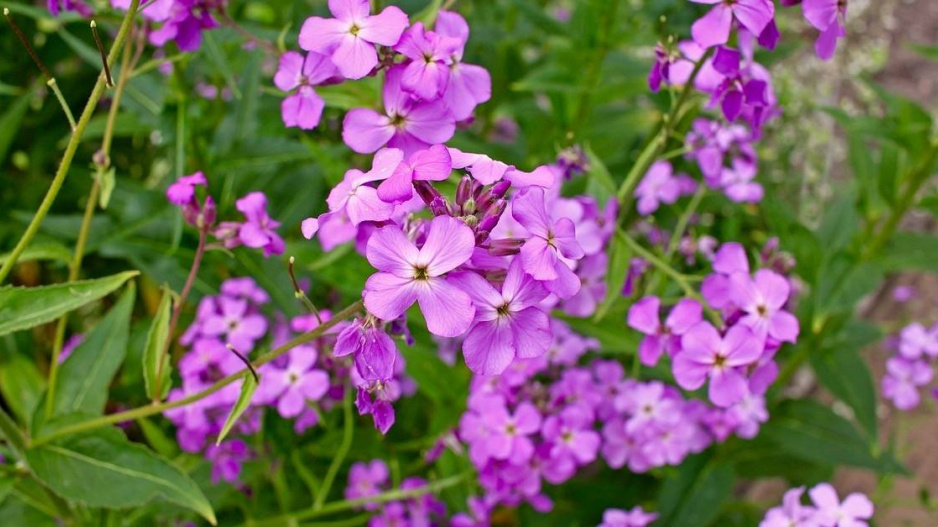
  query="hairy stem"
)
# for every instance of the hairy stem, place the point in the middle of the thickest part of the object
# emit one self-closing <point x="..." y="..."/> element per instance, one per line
<point x="157" y="408"/>
<point x="70" y="149"/>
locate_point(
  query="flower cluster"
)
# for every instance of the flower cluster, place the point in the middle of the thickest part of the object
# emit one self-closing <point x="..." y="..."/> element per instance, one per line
<point x="738" y="360"/>
<point x="370" y="479"/>
<point x="826" y="509"/>
<point x="910" y="369"/>
<point x="257" y="231"/>
<point x="180" y="21"/>
<point x="636" y="517"/>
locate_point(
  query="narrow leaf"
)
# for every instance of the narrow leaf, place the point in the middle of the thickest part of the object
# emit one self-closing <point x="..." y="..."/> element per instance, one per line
<point x="86" y="375"/>
<point x="108" y="181"/>
<point x="104" y="469"/>
<point x="25" y="307"/>
<point x="620" y="257"/>
<point x="155" y="362"/>
<point x="244" y="400"/>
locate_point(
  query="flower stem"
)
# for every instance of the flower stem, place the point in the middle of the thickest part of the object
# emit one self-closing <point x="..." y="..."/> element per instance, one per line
<point x="348" y="431"/>
<point x="157" y="408"/>
<point x="70" y="149"/>
<point x="61" y="98"/>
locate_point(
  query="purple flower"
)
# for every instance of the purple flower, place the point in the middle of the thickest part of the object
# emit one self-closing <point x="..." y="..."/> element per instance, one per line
<point x="432" y="164"/>
<point x="508" y="433"/>
<point x="407" y="124"/>
<point x="258" y="230"/>
<point x="903" y="379"/>
<point x="375" y="398"/>
<point x="240" y="327"/>
<point x="831" y="512"/>
<point x="427" y="74"/>
<point x="658" y="186"/>
<point x="643" y="316"/>
<point x="226" y="460"/>
<point x="592" y="273"/>
<point x="508" y="322"/>
<point x="359" y="200"/>
<point x="374" y="351"/>
<point x="791" y="514"/>
<point x="714" y="27"/>
<point x="295" y="384"/>
<point x="302" y="109"/>
<point x="636" y="517"/>
<point x="915" y="340"/>
<point x="828" y="16"/>
<point x="571" y="435"/>
<point x="706" y="354"/>
<point x="762" y="299"/>
<point x="476" y="516"/>
<point x="79" y="6"/>
<point x="350" y="38"/>
<point x="469" y="85"/>
<point x="738" y="182"/>
<point x="184" y="24"/>
<point x="366" y="480"/>
<point x="749" y="413"/>
<point x="407" y="275"/>
<point x="542" y="250"/>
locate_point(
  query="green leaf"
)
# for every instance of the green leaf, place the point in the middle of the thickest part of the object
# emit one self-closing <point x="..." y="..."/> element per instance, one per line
<point x="840" y="223"/>
<point x="929" y="52"/>
<point x="811" y="431"/>
<point x="52" y="251"/>
<point x="845" y="374"/>
<point x="695" y="495"/>
<point x="620" y="257"/>
<point x="10" y="122"/>
<point x="85" y="377"/>
<point x="25" y="307"/>
<point x="908" y="251"/>
<point x="599" y="183"/>
<point x="104" y="469"/>
<point x="155" y="362"/>
<point x="21" y="383"/>
<point x="108" y="180"/>
<point x="248" y="388"/>
<point x="163" y="444"/>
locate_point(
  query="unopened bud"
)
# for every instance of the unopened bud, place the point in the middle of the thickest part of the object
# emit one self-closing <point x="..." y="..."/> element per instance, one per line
<point x="427" y="192"/>
<point x="100" y="159"/>
<point x="505" y="246"/>
<point x="463" y="191"/>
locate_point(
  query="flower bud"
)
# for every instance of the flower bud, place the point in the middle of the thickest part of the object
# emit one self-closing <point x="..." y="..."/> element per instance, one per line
<point x="463" y="191"/>
<point x="427" y="192"/>
<point x="505" y="246"/>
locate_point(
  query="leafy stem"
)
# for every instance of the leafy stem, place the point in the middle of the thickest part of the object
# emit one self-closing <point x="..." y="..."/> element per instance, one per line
<point x="157" y="408"/>
<point x="59" y="179"/>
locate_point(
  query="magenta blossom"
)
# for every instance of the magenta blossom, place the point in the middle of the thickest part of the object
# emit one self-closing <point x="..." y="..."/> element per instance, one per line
<point x="258" y="231"/>
<point x="903" y="379"/>
<point x="350" y="38"/>
<point x="706" y="354"/>
<point x="791" y="514"/>
<point x="916" y="340"/>
<point x="427" y="74"/>
<point x="185" y="20"/>
<point x="548" y="242"/>
<point x="571" y="435"/>
<point x="660" y="185"/>
<point x="636" y="517"/>
<point x="828" y="16"/>
<point x="359" y="200"/>
<point x="508" y="323"/>
<point x="408" y="274"/>
<point x="714" y="27"/>
<point x="302" y="109"/>
<point x="374" y="351"/>
<point x="407" y="124"/>
<point x="432" y="164"/>
<point x="295" y="384"/>
<point x="366" y="480"/>
<point x="241" y="328"/>
<point x="762" y="299"/>
<point x="643" y="316"/>
<point x="469" y="85"/>
<point x="831" y="512"/>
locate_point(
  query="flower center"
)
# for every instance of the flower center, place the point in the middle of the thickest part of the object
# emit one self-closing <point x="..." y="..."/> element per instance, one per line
<point x="719" y="361"/>
<point x="398" y="121"/>
<point x="503" y="310"/>
<point x="420" y="273"/>
<point x="354" y="30"/>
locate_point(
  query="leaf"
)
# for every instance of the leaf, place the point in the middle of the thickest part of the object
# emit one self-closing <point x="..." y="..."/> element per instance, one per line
<point x="248" y="388"/>
<point x="155" y="361"/>
<point x="845" y="374"/>
<point x="908" y="251"/>
<point x="21" y="383"/>
<point x="840" y="223"/>
<point x="620" y="257"/>
<point x="25" y="307"/>
<point x="52" y="251"/>
<point x="811" y="431"/>
<point x="696" y="495"/>
<point x="104" y="469"/>
<point x="929" y="52"/>
<point x="10" y="122"/>
<point x="108" y="180"/>
<point x="85" y="377"/>
<point x="599" y="182"/>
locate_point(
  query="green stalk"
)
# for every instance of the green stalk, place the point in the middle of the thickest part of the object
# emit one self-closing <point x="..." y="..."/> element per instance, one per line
<point x="158" y="408"/>
<point x="344" y="447"/>
<point x="70" y="149"/>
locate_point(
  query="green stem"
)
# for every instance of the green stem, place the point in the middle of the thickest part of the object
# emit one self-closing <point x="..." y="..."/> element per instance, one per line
<point x="347" y="434"/>
<point x="61" y="98"/>
<point x="684" y="220"/>
<point x="158" y="408"/>
<point x="70" y="149"/>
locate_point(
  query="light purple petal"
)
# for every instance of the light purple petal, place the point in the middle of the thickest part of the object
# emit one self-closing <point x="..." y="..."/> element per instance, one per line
<point x="447" y="309"/>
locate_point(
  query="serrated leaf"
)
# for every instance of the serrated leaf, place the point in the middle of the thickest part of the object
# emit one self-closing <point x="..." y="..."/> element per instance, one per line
<point x="104" y="469"/>
<point x="155" y="361"/>
<point x="85" y="377"/>
<point x="108" y="181"/>
<point x="25" y="307"/>
<point x="248" y="387"/>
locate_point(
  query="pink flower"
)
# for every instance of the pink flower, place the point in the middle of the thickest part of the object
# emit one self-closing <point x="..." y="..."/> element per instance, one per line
<point x="350" y="38"/>
<point x="706" y="354"/>
<point x="408" y="124"/>
<point x="658" y="186"/>
<point x="427" y="74"/>
<point x="915" y="340"/>
<point x="508" y="323"/>
<point x="852" y="512"/>
<point x="408" y="274"/>
<point x="828" y="16"/>
<point x="548" y="242"/>
<point x="469" y="85"/>
<point x="636" y="517"/>
<point x="295" y="384"/>
<point x="304" y="108"/>
<point x="903" y="379"/>
<point x="714" y="27"/>
<point x="762" y="299"/>
<point x="359" y="200"/>
<point x="240" y="326"/>
<point x="791" y="513"/>
<point x="432" y="164"/>
<point x="258" y="231"/>
<point x="643" y="316"/>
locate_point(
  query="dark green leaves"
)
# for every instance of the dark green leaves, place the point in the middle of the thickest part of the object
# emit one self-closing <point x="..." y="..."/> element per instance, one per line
<point x="695" y="495"/>
<point x="22" y="308"/>
<point x="845" y="374"/>
<point x="156" y="368"/>
<point x="105" y="470"/>
<point x="248" y="387"/>
<point x="84" y="378"/>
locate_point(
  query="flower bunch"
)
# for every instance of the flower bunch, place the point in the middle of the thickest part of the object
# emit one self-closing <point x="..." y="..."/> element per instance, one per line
<point x="916" y="347"/>
<point x="826" y="509"/>
<point x="370" y="479"/>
